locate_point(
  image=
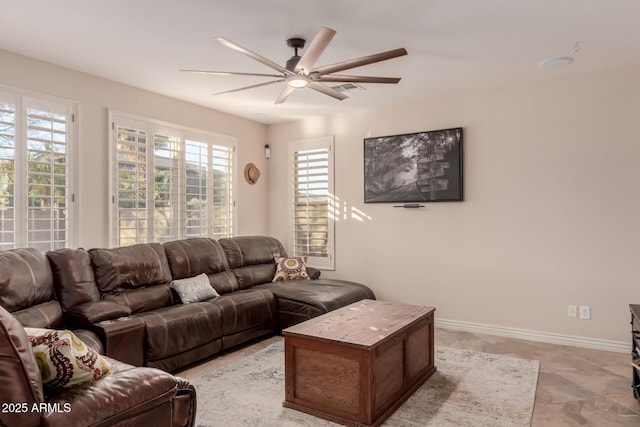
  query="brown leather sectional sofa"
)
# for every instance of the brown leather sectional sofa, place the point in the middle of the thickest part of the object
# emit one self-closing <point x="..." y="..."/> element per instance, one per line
<point x="123" y="297"/>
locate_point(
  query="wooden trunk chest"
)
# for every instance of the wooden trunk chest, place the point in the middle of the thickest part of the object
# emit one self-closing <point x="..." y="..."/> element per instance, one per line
<point x="358" y="364"/>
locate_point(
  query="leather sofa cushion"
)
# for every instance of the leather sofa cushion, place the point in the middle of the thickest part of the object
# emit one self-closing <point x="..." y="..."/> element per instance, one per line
<point x="181" y="360"/>
<point x="19" y="372"/>
<point x="224" y="282"/>
<point x="73" y="277"/>
<point x="145" y="299"/>
<point x="125" y="395"/>
<point x="252" y="275"/>
<point x="252" y="258"/>
<point x="45" y="315"/>
<point x="251" y="250"/>
<point x="175" y="329"/>
<point x="130" y="267"/>
<point x="323" y="295"/>
<point x="25" y="279"/>
<point x="191" y="257"/>
<point x="244" y="310"/>
<point x="292" y="312"/>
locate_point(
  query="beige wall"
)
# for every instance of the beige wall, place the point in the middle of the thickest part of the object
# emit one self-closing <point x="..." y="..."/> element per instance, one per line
<point x="95" y="96"/>
<point x="551" y="215"/>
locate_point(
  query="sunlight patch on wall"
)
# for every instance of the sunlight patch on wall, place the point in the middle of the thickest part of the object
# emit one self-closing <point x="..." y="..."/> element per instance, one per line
<point x="342" y="211"/>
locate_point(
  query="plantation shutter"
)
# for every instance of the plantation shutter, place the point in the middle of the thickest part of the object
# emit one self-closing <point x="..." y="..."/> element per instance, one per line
<point x="35" y="172"/>
<point x="221" y="202"/>
<point x="209" y="203"/>
<point x="131" y="196"/>
<point x="197" y="190"/>
<point x="312" y="201"/>
<point x="170" y="182"/>
<point x="166" y="175"/>
<point x="7" y="172"/>
<point x="47" y="175"/>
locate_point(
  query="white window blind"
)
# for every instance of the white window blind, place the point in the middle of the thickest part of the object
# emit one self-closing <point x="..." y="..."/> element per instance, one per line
<point x="170" y="182"/>
<point x="36" y="192"/>
<point x="196" y="190"/>
<point x="131" y="192"/>
<point x="312" y="201"/>
<point x="7" y="175"/>
<point x="166" y="191"/>
<point x="221" y="183"/>
<point x="209" y="203"/>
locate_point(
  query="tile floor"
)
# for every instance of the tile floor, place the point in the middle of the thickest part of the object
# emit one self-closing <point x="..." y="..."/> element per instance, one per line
<point x="576" y="386"/>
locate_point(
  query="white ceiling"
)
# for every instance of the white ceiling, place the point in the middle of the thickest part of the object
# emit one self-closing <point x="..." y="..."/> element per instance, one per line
<point x="455" y="46"/>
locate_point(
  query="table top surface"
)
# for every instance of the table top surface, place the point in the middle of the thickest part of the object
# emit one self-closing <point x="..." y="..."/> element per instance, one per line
<point x="364" y="323"/>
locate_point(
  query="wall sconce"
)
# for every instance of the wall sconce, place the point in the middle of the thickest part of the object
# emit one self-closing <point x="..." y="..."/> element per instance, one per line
<point x="267" y="151"/>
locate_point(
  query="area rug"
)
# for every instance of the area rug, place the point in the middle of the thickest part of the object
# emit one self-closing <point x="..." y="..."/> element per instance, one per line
<point x="469" y="389"/>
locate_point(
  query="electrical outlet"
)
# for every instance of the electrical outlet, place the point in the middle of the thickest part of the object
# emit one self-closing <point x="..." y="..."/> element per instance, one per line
<point x="585" y="312"/>
<point x="573" y="311"/>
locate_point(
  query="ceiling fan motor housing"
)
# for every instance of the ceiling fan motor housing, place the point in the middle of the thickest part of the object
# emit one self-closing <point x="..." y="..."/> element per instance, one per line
<point x="295" y="43"/>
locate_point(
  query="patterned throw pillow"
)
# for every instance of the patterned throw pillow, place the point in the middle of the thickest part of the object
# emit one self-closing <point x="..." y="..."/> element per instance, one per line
<point x="64" y="360"/>
<point x="194" y="289"/>
<point x="291" y="268"/>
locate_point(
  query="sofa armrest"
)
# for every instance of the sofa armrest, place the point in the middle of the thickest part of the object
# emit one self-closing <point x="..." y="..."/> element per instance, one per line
<point x="184" y="404"/>
<point x="90" y="339"/>
<point x="97" y="311"/>
<point x="122" y="336"/>
<point x="123" y="339"/>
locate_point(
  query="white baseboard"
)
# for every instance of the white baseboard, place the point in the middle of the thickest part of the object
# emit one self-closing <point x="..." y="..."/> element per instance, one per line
<point x="597" y="344"/>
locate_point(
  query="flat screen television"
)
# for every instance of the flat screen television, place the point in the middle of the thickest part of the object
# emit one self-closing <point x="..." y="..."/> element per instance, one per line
<point x="414" y="167"/>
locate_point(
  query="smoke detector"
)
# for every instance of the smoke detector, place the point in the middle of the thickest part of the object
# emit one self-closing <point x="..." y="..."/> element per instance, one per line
<point x="558" y="61"/>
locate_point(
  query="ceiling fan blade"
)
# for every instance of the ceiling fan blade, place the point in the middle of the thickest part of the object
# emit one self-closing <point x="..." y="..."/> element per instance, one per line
<point x="327" y="90"/>
<point x="356" y="79"/>
<point x="248" y="87"/>
<point x="359" y="62"/>
<point x="315" y="49"/>
<point x="286" y="91"/>
<point x="230" y="73"/>
<point x="253" y="55"/>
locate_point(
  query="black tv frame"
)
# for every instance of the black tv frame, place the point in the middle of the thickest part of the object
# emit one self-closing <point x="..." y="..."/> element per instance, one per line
<point x="414" y="167"/>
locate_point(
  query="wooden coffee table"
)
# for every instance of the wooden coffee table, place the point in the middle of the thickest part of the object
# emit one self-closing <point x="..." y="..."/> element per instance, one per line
<point x="358" y="364"/>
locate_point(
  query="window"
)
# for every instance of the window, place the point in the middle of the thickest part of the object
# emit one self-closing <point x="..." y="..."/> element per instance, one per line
<point x="36" y="192"/>
<point x="311" y="201"/>
<point x="169" y="182"/>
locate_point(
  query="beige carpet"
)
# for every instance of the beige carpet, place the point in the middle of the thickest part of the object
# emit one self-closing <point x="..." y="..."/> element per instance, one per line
<point x="469" y="389"/>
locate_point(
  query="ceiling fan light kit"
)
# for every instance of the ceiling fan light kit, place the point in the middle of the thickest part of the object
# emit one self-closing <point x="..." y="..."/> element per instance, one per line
<point x="298" y="82"/>
<point x="299" y="71"/>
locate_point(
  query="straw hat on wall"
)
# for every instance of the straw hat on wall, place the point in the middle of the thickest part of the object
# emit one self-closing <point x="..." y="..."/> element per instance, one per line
<point x="251" y="173"/>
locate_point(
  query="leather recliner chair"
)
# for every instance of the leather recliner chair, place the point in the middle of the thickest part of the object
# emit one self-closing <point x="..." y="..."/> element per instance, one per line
<point x="129" y="396"/>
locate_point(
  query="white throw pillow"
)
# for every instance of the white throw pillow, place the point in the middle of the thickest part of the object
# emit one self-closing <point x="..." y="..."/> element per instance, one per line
<point x="64" y="360"/>
<point x="194" y="289"/>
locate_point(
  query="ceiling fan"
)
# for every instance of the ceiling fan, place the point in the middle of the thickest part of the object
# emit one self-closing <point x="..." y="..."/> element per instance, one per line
<point x="299" y="72"/>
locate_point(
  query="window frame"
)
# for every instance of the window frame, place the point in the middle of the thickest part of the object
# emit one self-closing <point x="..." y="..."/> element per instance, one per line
<point x="326" y="143"/>
<point x="23" y="100"/>
<point x="154" y="128"/>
